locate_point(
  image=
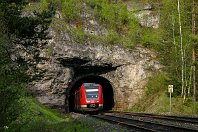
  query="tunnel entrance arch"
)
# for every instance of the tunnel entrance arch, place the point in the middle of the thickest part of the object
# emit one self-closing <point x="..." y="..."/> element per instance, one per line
<point x="108" y="95"/>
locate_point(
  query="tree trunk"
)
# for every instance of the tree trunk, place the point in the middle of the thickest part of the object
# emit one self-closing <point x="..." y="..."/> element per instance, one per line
<point x="193" y="51"/>
<point x="181" y="50"/>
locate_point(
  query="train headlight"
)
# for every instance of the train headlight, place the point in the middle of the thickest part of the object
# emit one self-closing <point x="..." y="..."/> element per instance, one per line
<point x="87" y="101"/>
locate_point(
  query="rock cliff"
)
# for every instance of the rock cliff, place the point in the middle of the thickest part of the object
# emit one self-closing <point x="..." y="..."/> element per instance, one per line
<point x="66" y="60"/>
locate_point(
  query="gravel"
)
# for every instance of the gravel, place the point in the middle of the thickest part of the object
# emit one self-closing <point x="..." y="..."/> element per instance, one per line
<point x="99" y="125"/>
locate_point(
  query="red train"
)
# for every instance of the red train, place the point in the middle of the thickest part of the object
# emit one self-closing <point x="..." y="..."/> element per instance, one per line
<point x="88" y="97"/>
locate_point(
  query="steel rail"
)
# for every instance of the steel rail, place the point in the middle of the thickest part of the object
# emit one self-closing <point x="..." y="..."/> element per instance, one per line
<point x="115" y="121"/>
<point x="192" y="120"/>
<point x="146" y="125"/>
<point x="170" y="118"/>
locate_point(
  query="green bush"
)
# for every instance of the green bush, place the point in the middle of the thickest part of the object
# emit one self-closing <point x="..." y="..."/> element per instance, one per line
<point x="114" y="16"/>
<point x="13" y="77"/>
<point x="94" y="3"/>
<point x="176" y="86"/>
<point x="151" y="37"/>
<point x="133" y="33"/>
<point x="157" y="83"/>
<point x="44" y="4"/>
<point x="11" y="91"/>
<point x="11" y="104"/>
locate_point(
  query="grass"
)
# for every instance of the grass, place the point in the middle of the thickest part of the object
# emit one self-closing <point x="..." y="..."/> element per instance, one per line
<point x="178" y="107"/>
<point x="38" y="118"/>
<point x="45" y="112"/>
<point x="159" y="103"/>
<point x="33" y="7"/>
<point x="157" y="99"/>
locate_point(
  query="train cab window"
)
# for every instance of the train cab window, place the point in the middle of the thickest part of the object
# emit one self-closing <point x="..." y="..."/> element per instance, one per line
<point x="92" y="90"/>
<point x="91" y="86"/>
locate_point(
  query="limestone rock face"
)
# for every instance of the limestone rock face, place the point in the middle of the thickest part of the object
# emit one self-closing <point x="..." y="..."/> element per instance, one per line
<point x="65" y="59"/>
<point x="128" y="76"/>
<point x="148" y="18"/>
<point x="144" y="13"/>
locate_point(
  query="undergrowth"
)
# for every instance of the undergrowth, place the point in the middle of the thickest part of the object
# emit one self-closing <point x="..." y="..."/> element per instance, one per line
<point x="38" y="118"/>
<point x="157" y="99"/>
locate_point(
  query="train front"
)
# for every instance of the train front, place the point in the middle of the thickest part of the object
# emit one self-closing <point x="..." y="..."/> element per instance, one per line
<point x="94" y="98"/>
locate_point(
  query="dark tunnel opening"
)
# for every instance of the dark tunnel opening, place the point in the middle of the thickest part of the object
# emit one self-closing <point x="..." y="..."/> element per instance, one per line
<point x="108" y="96"/>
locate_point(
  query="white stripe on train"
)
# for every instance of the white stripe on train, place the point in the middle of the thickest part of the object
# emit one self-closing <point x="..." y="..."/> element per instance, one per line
<point x="91" y="90"/>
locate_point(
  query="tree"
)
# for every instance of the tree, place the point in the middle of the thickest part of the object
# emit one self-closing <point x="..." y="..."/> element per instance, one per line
<point x="26" y="31"/>
<point x="181" y="49"/>
<point x="193" y="51"/>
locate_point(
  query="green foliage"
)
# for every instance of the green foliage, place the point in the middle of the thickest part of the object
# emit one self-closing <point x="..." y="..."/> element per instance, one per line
<point x="151" y="37"/>
<point x="113" y="15"/>
<point x="155" y="87"/>
<point x="11" y="82"/>
<point x="94" y="3"/>
<point x="43" y="126"/>
<point x="25" y="28"/>
<point x="11" y="103"/>
<point x="194" y="37"/>
<point x="134" y="32"/>
<point x="157" y="83"/>
<point x="160" y="104"/>
<point x="176" y="82"/>
<point x="168" y="45"/>
<point x="11" y="11"/>
<point x="37" y="117"/>
<point x="167" y="42"/>
<point x="118" y="20"/>
<point x="15" y="29"/>
<point x="50" y="51"/>
<point x="110" y="39"/>
<point x="44" y="4"/>
<point x="78" y="34"/>
<point x="71" y="9"/>
<point x="56" y="3"/>
<point x="178" y="106"/>
<point x="11" y="89"/>
<point x="3" y="32"/>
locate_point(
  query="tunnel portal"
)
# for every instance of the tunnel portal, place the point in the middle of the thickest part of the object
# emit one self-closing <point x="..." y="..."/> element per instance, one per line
<point x="108" y="96"/>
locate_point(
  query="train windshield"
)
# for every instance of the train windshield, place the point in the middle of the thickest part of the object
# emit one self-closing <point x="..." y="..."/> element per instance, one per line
<point x="91" y="91"/>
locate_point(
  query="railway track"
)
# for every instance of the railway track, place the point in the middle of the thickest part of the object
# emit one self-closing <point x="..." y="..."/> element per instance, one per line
<point x="184" y="119"/>
<point x="142" y="122"/>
